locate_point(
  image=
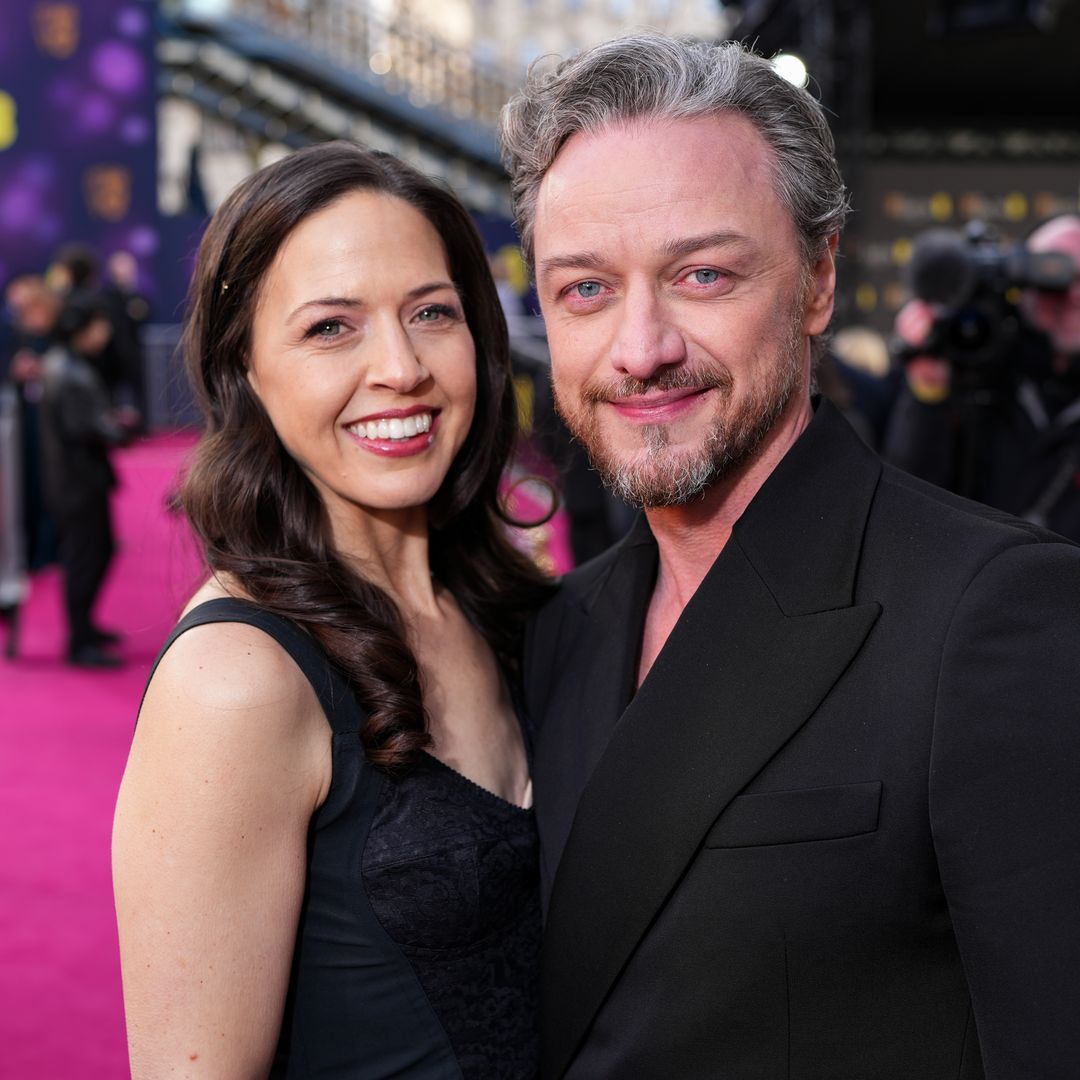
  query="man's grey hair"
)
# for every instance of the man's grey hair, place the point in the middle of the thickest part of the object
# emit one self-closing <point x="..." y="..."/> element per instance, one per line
<point x="647" y="75"/>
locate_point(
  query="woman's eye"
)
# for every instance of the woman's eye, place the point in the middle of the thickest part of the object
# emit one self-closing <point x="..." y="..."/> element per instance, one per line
<point x="325" y="328"/>
<point x="434" y="312"/>
<point x="587" y="290"/>
<point x="705" y="276"/>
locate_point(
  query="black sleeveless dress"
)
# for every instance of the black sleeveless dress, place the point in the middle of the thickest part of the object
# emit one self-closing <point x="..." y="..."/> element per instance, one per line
<point x="417" y="951"/>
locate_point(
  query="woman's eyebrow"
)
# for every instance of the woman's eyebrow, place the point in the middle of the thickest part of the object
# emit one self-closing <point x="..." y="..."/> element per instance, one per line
<point x="355" y="302"/>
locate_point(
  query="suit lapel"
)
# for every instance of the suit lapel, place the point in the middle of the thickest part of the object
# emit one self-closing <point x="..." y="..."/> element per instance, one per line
<point x="582" y="712"/>
<point x="761" y="643"/>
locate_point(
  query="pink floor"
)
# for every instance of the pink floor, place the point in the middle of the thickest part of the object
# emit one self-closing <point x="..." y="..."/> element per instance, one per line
<point x="64" y="735"/>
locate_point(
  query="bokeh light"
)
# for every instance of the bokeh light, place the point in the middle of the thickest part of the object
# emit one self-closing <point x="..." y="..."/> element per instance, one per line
<point x="791" y="68"/>
<point x="116" y="66"/>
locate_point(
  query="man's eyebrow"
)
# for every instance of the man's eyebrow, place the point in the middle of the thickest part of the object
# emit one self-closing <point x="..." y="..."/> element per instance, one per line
<point x="674" y="249"/>
<point x="356" y="302"/>
<point x="577" y="260"/>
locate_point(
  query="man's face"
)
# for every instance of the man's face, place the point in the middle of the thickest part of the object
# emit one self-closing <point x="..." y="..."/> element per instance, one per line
<point x="1057" y="314"/>
<point x="677" y="304"/>
<point x="33" y="304"/>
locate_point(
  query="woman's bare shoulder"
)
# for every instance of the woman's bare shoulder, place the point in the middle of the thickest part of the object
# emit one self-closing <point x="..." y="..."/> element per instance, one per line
<point x="229" y="669"/>
<point x="227" y="693"/>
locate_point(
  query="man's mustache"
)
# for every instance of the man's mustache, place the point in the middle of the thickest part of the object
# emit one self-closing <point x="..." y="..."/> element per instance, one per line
<point x="665" y="379"/>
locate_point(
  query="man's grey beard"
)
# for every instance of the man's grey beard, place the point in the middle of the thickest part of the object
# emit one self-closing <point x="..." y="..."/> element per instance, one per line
<point x="664" y="479"/>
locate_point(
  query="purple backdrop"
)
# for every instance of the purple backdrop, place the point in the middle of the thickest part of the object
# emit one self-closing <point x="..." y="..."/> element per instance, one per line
<point x="77" y="131"/>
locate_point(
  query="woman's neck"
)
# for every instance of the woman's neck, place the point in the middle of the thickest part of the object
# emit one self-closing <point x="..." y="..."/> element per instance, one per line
<point x="391" y="550"/>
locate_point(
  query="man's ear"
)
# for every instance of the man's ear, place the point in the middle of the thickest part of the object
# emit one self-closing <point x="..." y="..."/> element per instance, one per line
<point x="822" y="290"/>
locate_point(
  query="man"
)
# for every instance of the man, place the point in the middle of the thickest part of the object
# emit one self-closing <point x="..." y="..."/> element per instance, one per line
<point x="808" y="743"/>
<point x="1009" y="435"/>
<point x="31" y="307"/>
<point x="78" y="429"/>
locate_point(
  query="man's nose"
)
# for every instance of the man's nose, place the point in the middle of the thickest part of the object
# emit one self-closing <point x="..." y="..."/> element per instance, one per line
<point x="647" y="338"/>
<point x="393" y="362"/>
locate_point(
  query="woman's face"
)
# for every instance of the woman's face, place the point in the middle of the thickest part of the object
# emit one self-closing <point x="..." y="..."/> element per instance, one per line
<point x="362" y="357"/>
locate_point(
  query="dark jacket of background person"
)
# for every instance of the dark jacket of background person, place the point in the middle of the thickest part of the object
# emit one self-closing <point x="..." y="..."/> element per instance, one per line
<point x="120" y="361"/>
<point x="839" y="823"/>
<point x="1014" y="445"/>
<point x="77" y="432"/>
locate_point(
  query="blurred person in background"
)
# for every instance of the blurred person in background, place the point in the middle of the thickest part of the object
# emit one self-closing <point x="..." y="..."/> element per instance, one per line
<point x="13" y="576"/>
<point x="76" y="268"/>
<point x="130" y="311"/>
<point x="31" y="308"/>
<point x="806" y="761"/>
<point x="856" y="374"/>
<point x="1005" y="431"/>
<point x="328" y="796"/>
<point x="78" y="430"/>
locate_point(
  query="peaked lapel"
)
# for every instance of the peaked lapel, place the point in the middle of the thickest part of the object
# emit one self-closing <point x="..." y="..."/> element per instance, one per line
<point x="582" y="711"/>
<point x="761" y="643"/>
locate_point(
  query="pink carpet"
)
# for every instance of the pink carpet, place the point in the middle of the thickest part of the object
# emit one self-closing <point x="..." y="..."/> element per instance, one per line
<point x="64" y="736"/>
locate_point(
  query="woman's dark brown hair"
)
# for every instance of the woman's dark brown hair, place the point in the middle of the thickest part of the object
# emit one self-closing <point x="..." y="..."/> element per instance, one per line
<point x="259" y="518"/>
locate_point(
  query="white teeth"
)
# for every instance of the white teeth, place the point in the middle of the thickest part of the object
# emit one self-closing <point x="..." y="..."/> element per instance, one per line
<point x="395" y="428"/>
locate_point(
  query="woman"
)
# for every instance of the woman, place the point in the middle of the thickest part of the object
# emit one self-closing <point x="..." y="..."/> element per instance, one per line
<point x="323" y="857"/>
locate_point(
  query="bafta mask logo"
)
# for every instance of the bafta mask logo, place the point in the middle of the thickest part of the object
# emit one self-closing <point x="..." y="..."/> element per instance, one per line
<point x="107" y="189"/>
<point x="56" y="29"/>
<point x="9" y="126"/>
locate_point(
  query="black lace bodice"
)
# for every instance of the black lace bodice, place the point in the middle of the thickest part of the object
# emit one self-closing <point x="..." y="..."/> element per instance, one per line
<point x="451" y="872"/>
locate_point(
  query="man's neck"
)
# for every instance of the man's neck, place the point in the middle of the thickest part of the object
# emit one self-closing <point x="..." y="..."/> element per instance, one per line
<point x="690" y="537"/>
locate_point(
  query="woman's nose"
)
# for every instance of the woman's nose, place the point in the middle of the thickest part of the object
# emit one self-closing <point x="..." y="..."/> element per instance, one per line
<point x="392" y="360"/>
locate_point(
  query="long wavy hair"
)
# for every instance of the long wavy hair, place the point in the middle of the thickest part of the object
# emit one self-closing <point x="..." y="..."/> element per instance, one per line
<point x="259" y="518"/>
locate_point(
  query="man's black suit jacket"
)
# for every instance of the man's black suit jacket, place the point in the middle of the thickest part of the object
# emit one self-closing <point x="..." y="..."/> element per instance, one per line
<point x="835" y="835"/>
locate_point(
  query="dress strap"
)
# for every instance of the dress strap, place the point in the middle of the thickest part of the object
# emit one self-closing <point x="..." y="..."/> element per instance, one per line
<point x="335" y="696"/>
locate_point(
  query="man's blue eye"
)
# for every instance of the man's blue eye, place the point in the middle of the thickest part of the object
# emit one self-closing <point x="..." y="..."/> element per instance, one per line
<point x="587" y="289"/>
<point x="706" y="277"/>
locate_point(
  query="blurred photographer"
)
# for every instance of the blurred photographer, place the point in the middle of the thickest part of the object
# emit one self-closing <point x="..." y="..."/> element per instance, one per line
<point x="991" y="347"/>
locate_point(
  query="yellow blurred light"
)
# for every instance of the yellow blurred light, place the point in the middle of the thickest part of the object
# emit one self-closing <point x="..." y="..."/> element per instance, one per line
<point x="866" y="297"/>
<point x="9" y="125"/>
<point x="941" y="206"/>
<point x="901" y="251"/>
<point x="1016" y="206"/>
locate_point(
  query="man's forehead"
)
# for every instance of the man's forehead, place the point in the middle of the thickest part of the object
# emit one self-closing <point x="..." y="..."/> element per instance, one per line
<point x="635" y="155"/>
<point x="659" y="182"/>
<point x="721" y="134"/>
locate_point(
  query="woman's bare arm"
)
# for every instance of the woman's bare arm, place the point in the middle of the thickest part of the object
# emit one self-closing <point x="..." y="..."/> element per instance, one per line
<point x="230" y="758"/>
